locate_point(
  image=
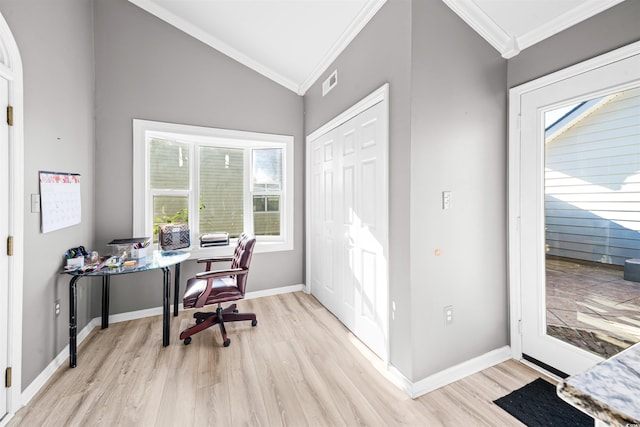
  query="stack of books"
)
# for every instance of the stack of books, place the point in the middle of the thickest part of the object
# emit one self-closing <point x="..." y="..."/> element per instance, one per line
<point x="214" y="239"/>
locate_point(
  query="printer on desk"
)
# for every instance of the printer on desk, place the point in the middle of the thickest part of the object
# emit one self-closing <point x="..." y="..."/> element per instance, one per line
<point x="214" y="239"/>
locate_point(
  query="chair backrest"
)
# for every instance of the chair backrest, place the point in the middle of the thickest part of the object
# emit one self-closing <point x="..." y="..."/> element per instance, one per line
<point x="242" y="258"/>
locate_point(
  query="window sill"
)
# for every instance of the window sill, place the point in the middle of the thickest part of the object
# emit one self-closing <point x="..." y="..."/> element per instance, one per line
<point x="227" y="250"/>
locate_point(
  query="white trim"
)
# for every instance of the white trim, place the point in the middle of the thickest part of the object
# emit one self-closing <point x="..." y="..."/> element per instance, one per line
<point x="359" y="22"/>
<point x="379" y="95"/>
<point x="580" y="68"/>
<point x="63" y="356"/>
<point x="274" y="291"/>
<point x="509" y="45"/>
<point x="12" y="70"/>
<point x="481" y="23"/>
<point x="52" y="367"/>
<point x="201" y="134"/>
<point x="157" y="311"/>
<point x="363" y="18"/>
<point x="452" y="374"/>
<point x="515" y="95"/>
<point x="199" y="34"/>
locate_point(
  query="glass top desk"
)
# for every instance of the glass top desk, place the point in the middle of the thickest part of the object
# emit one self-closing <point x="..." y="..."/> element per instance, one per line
<point x="157" y="261"/>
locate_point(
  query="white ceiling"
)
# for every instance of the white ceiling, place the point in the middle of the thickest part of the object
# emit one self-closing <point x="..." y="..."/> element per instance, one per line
<point x="513" y="25"/>
<point x="293" y="42"/>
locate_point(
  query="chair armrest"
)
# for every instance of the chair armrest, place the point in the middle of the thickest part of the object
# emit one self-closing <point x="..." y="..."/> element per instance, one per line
<point x="221" y="273"/>
<point x="211" y="260"/>
<point x="215" y="259"/>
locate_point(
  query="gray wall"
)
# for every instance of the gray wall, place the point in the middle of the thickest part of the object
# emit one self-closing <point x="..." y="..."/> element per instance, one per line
<point x="55" y="40"/>
<point x="147" y="69"/>
<point x="458" y="144"/>
<point x="447" y="132"/>
<point x="381" y="53"/>
<point x="611" y="29"/>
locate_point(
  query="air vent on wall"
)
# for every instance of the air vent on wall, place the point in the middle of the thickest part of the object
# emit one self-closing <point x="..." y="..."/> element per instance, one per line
<point x="330" y="83"/>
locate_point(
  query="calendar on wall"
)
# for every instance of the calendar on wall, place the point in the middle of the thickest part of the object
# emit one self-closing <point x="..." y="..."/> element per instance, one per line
<point x="60" y="204"/>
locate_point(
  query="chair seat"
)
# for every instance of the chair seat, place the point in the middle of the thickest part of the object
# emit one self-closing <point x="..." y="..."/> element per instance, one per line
<point x="224" y="289"/>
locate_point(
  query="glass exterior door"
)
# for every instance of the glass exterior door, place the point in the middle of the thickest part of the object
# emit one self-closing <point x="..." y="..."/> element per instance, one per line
<point x="578" y="216"/>
<point x="592" y="221"/>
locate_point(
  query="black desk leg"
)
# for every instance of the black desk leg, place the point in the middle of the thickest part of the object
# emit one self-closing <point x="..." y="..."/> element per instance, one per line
<point x="176" y="289"/>
<point x="105" y="302"/>
<point x="165" y="306"/>
<point x="73" y="321"/>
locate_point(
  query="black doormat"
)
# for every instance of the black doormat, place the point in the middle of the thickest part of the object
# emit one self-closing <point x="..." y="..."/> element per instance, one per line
<point x="537" y="405"/>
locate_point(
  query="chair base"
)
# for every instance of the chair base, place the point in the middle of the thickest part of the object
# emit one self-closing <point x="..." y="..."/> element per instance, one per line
<point x="205" y="320"/>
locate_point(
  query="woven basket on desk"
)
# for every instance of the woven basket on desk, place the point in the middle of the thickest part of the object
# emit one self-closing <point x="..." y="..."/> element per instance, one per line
<point x="174" y="236"/>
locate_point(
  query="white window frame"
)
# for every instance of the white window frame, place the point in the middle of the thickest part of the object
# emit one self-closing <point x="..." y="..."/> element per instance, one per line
<point x="143" y="130"/>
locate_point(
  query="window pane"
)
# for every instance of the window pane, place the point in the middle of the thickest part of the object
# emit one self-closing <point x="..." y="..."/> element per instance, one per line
<point x="169" y="165"/>
<point x="169" y="209"/>
<point x="273" y="204"/>
<point x="221" y="190"/>
<point x="266" y="223"/>
<point x="267" y="169"/>
<point x="259" y="203"/>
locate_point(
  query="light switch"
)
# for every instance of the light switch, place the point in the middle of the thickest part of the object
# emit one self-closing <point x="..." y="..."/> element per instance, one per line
<point x="35" y="203"/>
<point x="446" y="200"/>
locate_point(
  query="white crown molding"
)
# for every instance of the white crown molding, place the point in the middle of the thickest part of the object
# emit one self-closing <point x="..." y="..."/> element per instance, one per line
<point x="481" y="23"/>
<point x="363" y="17"/>
<point x="203" y="36"/>
<point x="511" y="45"/>
<point x="361" y="20"/>
<point x="578" y="14"/>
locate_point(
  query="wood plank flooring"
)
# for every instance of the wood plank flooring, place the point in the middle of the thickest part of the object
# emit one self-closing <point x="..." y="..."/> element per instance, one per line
<point x="300" y="366"/>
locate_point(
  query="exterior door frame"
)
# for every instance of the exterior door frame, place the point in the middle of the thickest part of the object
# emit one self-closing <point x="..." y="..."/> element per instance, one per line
<point x="515" y="201"/>
<point x="11" y="69"/>
<point x="379" y="95"/>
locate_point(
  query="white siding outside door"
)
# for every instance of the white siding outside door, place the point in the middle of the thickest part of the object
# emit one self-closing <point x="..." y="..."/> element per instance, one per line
<point x="348" y="225"/>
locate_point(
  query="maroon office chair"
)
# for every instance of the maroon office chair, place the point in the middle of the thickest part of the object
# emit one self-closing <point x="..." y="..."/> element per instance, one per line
<point x="218" y="286"/>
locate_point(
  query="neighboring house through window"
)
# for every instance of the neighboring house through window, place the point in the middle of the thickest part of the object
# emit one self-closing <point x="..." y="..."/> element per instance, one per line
<point x="215" y="180"/>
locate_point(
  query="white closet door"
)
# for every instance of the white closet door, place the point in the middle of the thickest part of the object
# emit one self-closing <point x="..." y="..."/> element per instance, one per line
<point x="323" y="282"/>
<point x="349" y="205"/>
<point x="4" y="231"/>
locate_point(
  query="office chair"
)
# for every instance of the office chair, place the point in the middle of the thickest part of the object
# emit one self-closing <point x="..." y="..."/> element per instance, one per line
<point x="217" y="287"/>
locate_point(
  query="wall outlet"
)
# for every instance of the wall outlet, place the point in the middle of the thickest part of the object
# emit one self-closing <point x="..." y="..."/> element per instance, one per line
<point x="448" y="315"/>
<point x="56" y="307"/>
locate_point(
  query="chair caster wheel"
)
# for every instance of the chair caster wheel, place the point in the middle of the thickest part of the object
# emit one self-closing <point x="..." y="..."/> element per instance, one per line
<point x="227" y="342"/>
<point x="198" y="321"/>
<point x="254" y="322"/>
<point x="187" y="341"/>
<point x="236" y="311"/>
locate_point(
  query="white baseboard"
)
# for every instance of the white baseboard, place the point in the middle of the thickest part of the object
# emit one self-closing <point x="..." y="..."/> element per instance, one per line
<point x="52" y="367"/>
<point x="274" y="291"/>
<point x="157" y="311"/>
<point x="46" y="374"/>
<point x="451" y="374"/>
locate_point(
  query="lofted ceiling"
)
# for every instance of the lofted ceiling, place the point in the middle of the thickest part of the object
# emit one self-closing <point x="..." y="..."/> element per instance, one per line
<point x="292" y="42"/>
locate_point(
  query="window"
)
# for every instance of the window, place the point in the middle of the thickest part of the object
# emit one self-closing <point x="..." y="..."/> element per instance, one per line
<point x="215" y="180"/>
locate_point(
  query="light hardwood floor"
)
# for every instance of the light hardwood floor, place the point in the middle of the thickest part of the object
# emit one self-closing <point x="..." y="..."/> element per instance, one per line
<point x="300" y="366"/>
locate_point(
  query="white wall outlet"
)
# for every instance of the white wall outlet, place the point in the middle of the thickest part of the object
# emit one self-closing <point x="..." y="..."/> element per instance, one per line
<point x="448" y="315"/>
